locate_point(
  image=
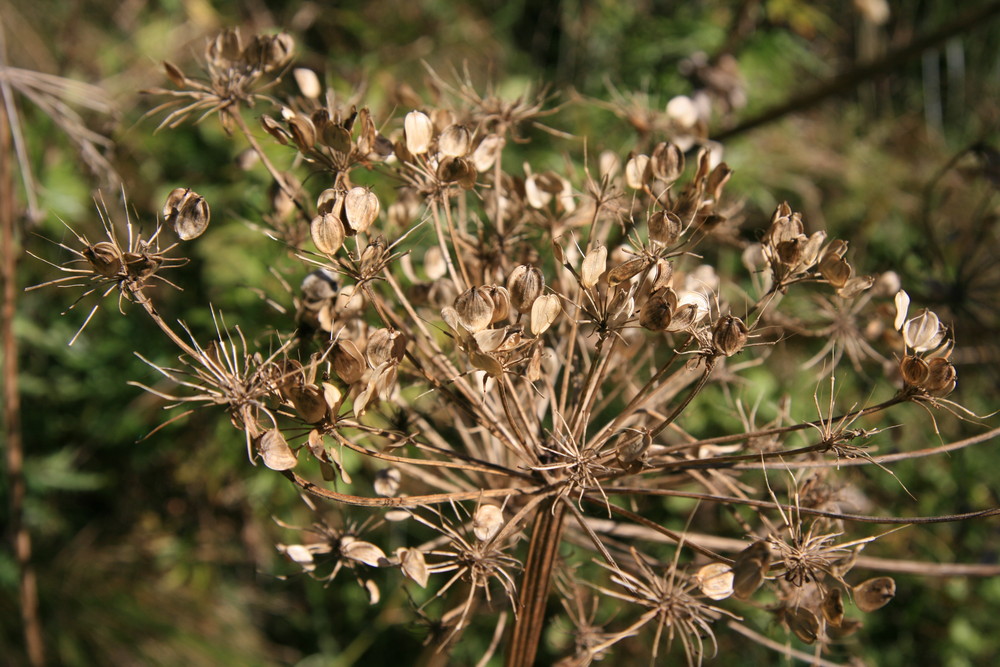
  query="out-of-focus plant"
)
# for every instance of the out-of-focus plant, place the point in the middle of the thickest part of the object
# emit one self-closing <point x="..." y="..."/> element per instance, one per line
<point x="497" y="375"/>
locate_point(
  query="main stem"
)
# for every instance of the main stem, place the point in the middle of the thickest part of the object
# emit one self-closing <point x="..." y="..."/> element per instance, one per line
<point x="535" y="583"/>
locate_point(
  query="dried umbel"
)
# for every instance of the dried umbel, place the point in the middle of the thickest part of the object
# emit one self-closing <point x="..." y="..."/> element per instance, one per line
<point x="515" y="360"/>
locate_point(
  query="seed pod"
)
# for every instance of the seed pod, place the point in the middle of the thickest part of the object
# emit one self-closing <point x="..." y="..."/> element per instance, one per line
<point x="664" y="274"/>
<point x="104" y="258"/>
<point x="175" y="75"/>
<point x="749" y="568"/>
<point x="309" y="402"/>
<point x="274" y="128"/>
<point x="595" y="263"/>
<point x="628" y="270"/>
<point x="327" y="233"/>
<point x="413" y="565"/>
<point x="275" y="452"/>
<point x="803" y="623"/>
<point x="475" y="308"/>
<point x="637" y="171"/>
<point x="188" y="212"/>
<point x="790" y="252"/>
<point x="455" y="141"/>
<point x="833" y="606"/>
<point x="524" y="285"/>
<point x="501" y="303"/>
<point x="385" y="346"/>
<point x="487" y="522"/>
<point x="227" y="46"/>
<point x="457" y="170"/>
<point x="348" y="362"/>
<point x="914" y="370"/>
<point x="729" y="335"/>
<point x="715" y="581"/>
<point x="665" y="227"/>
<point x="303" y="132"/>
<point x="373" y="256"/>
<point x="363" y="552"/>
<point x="923" y="332"/>
<point x="308" y="82"/>
<point x="361" y="207"/>
<point x="418" y="130"/>
<point x="544" y="312"/>
<point x="656" y="313"/>
<point x="855" y="286"/>
<point x="387" y="482"/>
<point x="941" y="377"/>
<point x="486" y="153"/>
<point x="836" y="270"/>
<point x="874" y="593"/>
<point x="667" y="162"/>
<point x="278" y="51"/>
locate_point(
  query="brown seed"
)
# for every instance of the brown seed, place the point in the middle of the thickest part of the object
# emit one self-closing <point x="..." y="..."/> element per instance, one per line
<point x="941" y="377"/>
<point x="275" y="452"/>
<point x="836" y="270"/>
<point x="104" y="258"/>
<point x="327" y="233"/>
<point x="833" y="606"/>
<point x="524" y="285"/>
<point x="749" y="568"/>
<point x="875" y="593"/>
<point x="655" y="315"/>
<point x="309" y="402"/>
<point x="729" y="335"/>
<point x="385" y="346"/>
<point x="715" y="581"/>
<point x="361" y="207"/>
<point x="303" y="132"/>
<point x="628" y="270"/>
<point x="803" y="623"/>
<point x="475" y="308"/>
<point x="274" y="128"/>
<point x="665" y="227"/>
<point x="914" y="370"/>
<point x="348" y="362"/>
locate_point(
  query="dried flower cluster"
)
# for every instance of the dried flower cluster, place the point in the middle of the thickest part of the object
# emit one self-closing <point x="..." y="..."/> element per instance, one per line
<point x="507" y="356"/>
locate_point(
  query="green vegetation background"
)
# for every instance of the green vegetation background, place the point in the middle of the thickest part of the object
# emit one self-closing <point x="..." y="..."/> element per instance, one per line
<point x="160" y="551"/>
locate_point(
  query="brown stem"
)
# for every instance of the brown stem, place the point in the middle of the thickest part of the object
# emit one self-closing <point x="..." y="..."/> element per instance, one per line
<point x="847" y="81"/>
<point x="12" y="403"/>
<point x="535" y="583"/>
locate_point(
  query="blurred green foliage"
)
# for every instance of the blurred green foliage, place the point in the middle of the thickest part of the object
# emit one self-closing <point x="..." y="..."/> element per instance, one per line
<point x="159" y="551"/>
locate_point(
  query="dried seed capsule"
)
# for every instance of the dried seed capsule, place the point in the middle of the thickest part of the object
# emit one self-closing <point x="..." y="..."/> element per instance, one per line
<point x="308" y="82"/>
<point x="665" y="227"/>
<point x="833" y="606"/>
<point x="486" y="153"/>
<point x="188" y="212"/>
<point x="361" y="207"/>
<point x="327" y="233"/>
<point x="803" y="623"/>
<point x="874" y="593"/>
<point x="729" y="335"/>
<point x="923" y="332"/>
<point x="104" y="258"/>
<point x="637" y="171"/>
<point x="309" y="402"/>
<point x="475" y="308"/>
<point x="274" y="128"/>
<point x="361" y="551"/>
<point x="628" y="270"/>
<point x="667" y="162"/>
<point x="836" y="270"/>
<point x="914" y="370"/>
<point x="525" y="284"/>
<point x="749" y="568"/>
<point x="501" y="303"/>
<point x="418" y="130"/>
<point x="487" y="522"/>
<point x="544" y="312"/>
<point x="941" y="377"/>
<point x="455" y="141"/>
<point x="413" y="565"/>
<point x="373" y="257"/>
<point x="275" y="452"/>
<point x="303" y="132"/>
<point x="595" y="263"/>
<point x="348" y="362"/>
<point x="715" y="581"/>
<point x="385" y="345"/>
<point x="657" y="312"/>
<point x="387" y="482"/>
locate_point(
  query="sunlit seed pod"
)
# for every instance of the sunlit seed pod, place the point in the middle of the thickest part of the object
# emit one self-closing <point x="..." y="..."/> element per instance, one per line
<point x="874" y="593"/>
<point x="373" y="256"/>
<point x="385" y="346"/>
<point x="595" y="263"/>
<point x="475" y="308"/>
<point x="419" y="131"/>
<point x="789" y="253"/>
<point x="276" y="51"/>
<point x="104" y="258"/>
<point x="637" y="171"/>
<point x="361" y="207"/>
<point x="684" y="317"/>
<point x="914" y="370"/>
<point x="274" y="128"/>
<point x="455" y="141"/>
<point x="501" y="303"/>
<point x="729" y="335"/>
<point x="715" y="581"/>
<point x="536" y="196"/>
<point x="299" y="554"/>
<point x="225" y="48"/>
<point x="941" y="377"/>
<point x="666" y="162"/>
<point x="717" y="180"/>
<point x="308" y="82"/>
<point x="487" y="522"/>
<point x="175" y="75"/>
<point x="303" y="132"/>
<point x="665" y="227"/>
<point x="309" y="403"/>
<point x="362" y="552"/>
<point x="663" y="276"/>
<point x="803" y="623"/>
<point x="488" y="340"/>
<point x="923" y="332"/>
<point x="608" y="164"/>
<point x="749" y="569"/>
<point x="632" y="446"/>
<point x="811" y="249"/>
<point x="855" y="286"/>
<point x="347" y="361"/>
<point x="628" y="270"/>
<point x="544" y="312"/>
<point x="656" y="313"/>
<point x="833" y="606"/>
<point x="784" y="228"/>
<point x="413" y="565"/>
<point x="524" y="284"/>
<point x="835" y="270"/>
<point x="387" y="482"/>
<point x="836" y="248"/>
<point x="192" y="217"/>
<point x="275" y="452"/>
<point x="681" y="110"/>
<point x="487" y="152"/>
<point x="327" y="233"/>
<point x="140" y="265"/>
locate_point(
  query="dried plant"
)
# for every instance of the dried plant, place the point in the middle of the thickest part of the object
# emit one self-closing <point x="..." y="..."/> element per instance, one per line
<point x="513" y="356"/>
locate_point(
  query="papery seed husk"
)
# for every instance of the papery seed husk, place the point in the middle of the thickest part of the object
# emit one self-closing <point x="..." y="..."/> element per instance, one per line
<point x="384" y="346"/>
<point x="308" y="82"/>
<point x="361" y="206"/>
<point x="637" y="171"/>
<point x="501" y="303"/>
<point x="874" y="594"/>
<point x="104" y="258"/>
<point x="717" y="180"/>
<point x="486" y="363"/>
<point x="373" y="256"/>
<point x="487" y="151"/>
<point x="941" y="377"/>
<point x="337" y="137"/>
<point x="923" y="332"/>
<point x="348" y="362"/>
<point x="303" y="132"/>
<point x="475" y="308"/>
<point x="387" y="482"/>
<point x="664" y="275"/>
<point x="455" y="141"/>
<point x="175" y="75"/>
<point x="665" y="227"/>
<point x="833" y="606"/>
<point x="902" y="301"/>
<point x="803" y="623"/>
<point x="667" y="162"/>
<point x="847" y="627"/>
<point x="536" y="196"/>
<point x="318" y="286"/>
<point x="309" y="402"/>
<point x="914" y="370"/>
<point x="275" y="452"/>
<point x="749" y="568"/>
<point x="363" y="552"/>
<point x="855" y="286"/>
<point x="414" y="565"/>
<point x="715" y="581"/>
<point x="656" y="313"/>
<point x="836" y="270"/>
<point x="544" y="312"/>
<point x="192" y="217"/>
<point x="327" y="233"/>
<point x="595" y="263"/>
<point x="434" y="264"/>
<point x="299" y="554"/>
<point x="274" y="128"/>
<point x="524" y="285"/>
<point x="489" y="340"/>
<point x="627" y="270"/>
<point x="729" y="335"/>
<point x="418" y="130"/>
<point x="487" y="522"/>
